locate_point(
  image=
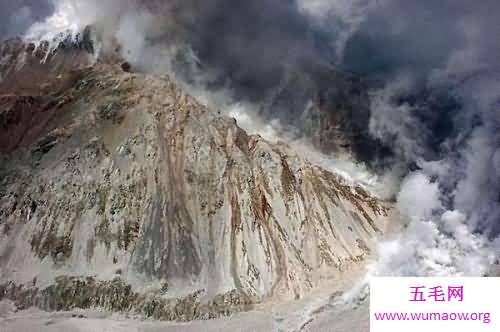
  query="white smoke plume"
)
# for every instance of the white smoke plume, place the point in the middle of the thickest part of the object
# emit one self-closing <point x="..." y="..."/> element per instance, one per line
<point x="452" y="202"/>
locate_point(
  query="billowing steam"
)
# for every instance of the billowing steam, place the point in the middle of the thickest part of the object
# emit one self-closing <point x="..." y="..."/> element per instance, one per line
<point x="435" y="100"/>
<point x="440" y="111"/>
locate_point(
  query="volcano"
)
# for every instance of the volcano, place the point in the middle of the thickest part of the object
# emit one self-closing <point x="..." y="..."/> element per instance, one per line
<point x="120" y="191"/>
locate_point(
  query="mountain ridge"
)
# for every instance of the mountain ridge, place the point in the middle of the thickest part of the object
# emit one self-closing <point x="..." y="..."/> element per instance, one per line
<point x="166" y="204"/>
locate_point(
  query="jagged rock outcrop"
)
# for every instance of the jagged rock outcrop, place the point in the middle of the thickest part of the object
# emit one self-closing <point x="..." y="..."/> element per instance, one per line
<point x="32" y="79"/>
<point x="70" y="293"/>
<point x="122" y="176"/>
<point x="45" y="67"/>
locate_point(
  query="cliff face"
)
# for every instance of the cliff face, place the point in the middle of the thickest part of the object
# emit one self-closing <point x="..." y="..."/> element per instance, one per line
<point x="32" y="79"/>
<point x="121" y="184"/>
<point x="330" y="107"/>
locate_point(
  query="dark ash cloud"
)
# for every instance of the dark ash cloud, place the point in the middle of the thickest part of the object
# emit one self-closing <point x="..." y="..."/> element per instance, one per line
<point x="17" y="16"/>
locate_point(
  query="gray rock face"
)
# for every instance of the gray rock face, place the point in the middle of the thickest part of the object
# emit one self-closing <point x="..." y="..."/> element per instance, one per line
<point x="329" y="106"/>
<point x="69" y="293"/>
<point x="130" y="179"/>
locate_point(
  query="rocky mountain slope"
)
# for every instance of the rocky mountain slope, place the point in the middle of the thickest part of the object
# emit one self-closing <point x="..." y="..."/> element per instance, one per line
<point x="337" y="112"/>
<point x="118" y="190"/>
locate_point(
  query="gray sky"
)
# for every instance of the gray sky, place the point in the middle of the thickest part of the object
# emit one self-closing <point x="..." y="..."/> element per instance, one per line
<point x="18" y="15"/>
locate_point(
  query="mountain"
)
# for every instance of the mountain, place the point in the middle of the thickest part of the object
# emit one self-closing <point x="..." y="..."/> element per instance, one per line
<point x="329" y="106"/>
<point x="120" y="191"/>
